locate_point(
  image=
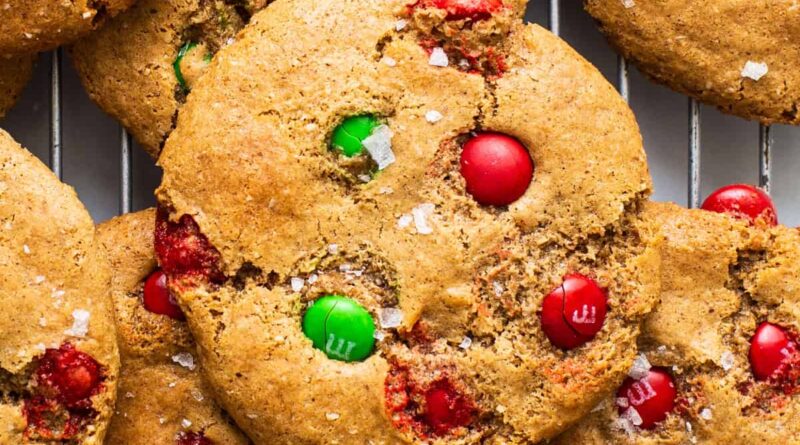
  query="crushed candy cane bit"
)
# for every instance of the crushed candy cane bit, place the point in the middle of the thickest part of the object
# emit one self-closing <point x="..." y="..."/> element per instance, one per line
<point x="641" y="367"/>
<point x="754" y="70"/>
<point x="80" y="324"/>
<point x="438" y="58"/>
<point x="379" y="146"/>
<point x="421" y="214"/>
<point x="433" y="116"/>
<point x="184" y="359"/>
<point x="390" y="317"/>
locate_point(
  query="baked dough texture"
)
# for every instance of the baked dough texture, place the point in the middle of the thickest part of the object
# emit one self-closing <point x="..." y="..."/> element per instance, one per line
<point x="15" y="72"/>
<point x="721" y="278"/>
<point x="739" y="56"/>
<point x="259" y="218"/>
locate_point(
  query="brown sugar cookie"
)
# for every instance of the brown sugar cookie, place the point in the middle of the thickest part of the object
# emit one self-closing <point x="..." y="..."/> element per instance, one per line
<point x="58" y="353"/>
<point x="141" y="66"/>
<point x="720" y="361"/>
<point x="406" y="224"/>
<point x="29" y="26"/>
<point x="738" y="56"/>
<point x="162" y="398"/>
<point x="15" y="72"/>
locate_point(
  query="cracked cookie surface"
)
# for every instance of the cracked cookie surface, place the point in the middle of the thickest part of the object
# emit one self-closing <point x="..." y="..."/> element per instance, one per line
<point x="162" y="396"/>
<point x="722" y="279"/>
<point x="738" y="56"/>
<point x="260" y="219"/>
<point x="129" y="66"/>
<point x="58" y="353"/>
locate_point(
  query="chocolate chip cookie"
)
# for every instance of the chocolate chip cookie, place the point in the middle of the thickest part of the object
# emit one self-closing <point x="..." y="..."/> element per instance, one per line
<point x="162" y="398"/>
<point x="143" y="64"/>
<point x="738" y="56"/>
<point x="29" y="26"/>
<point x="394" y="223"/>
<point x="720" y="360"/>
<point x="58" y="354"/>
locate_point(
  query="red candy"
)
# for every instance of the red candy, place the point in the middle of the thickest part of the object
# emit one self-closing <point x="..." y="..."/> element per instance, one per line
<point x="192" y="439"/>
<point x="183" y="251"/>
<point x="69" y="376"/>
<point x="158" y="299"/>
<point x="653" y="396"/>
<point x="574" y="312"/>
<point x="446" y="408"/>
<point x="463" y="9"/>
<point x="770" y="348"/>
<point x="497" y="168"/>
<point x="744" y="202"/>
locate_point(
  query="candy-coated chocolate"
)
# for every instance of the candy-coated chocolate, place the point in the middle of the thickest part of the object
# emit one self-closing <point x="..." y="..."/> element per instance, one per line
<point x="769" y="348"/>
<point x="184" y="251"/>
<point x="653" y="397"/>
<point x="158" y="299"/>
<point x="742" y="201"/>
<point x="340" y="327"/>
<point x="496" y="167"/>
<point x="464" y="9"/>
<point x="573" y="313"/>
<point x="192" y="438"/>
<point x="446" y="408"/>
<point x="68" y="375"/>
<point x="350" y="134"/>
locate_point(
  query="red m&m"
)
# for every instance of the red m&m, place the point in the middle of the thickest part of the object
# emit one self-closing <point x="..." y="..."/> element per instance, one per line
<point x="573" y="313"/>
<point x="744" y="202"/>
<point x="69" y="376"/>
<point x="192" y="438"/>
<point x="446" y="408"/>
<point x="464" y="9"/>
<point x="770" y="348"/>
<point x="652" y="398"/>
<point x="158" y="299"/>
<point x="496" y="167"/>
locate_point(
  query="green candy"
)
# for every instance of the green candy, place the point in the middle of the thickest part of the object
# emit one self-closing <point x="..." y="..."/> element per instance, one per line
<point x="350" y="134"/>
<point x="176" y="65"/>
<point x="341" y="328"/>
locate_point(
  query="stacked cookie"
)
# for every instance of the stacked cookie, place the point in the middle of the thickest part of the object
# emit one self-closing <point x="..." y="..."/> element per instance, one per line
<point x="384" y="222"/>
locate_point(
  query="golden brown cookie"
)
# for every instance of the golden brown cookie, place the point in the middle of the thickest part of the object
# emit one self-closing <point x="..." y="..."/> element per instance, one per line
<point x="162" y="398"/>
<point x="725" y="333"/>
<point x="58" y="354"/>
<point x="371" y="298"/>
<point x="15" y="72"/>
<point x="739" y="56"/>
<point x="30" y="26"/>
<point x="141" y="66"/>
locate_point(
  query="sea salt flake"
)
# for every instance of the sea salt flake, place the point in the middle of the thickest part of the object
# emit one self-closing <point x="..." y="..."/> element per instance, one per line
<point x="628" y="3"/>
<point x="622" y="402"/>
<point x="172" y="384"/>
<point x="197" y="394"/>
<point x="184" y="359"/>
<point x="333" y="248"/>
<point x="390" y="317"/>
<point x="632" y="416"/>
<point x="389" y="61"/>
<point x="500" y="409"/>
<point x="727" y="360"/>
<point x="386" y="191"/>
<point x="404" y="221"/>
<point x="86" y="15"/>
<point x="186" y="423"/>
<point x="498" y="288"/>
<point x="754" y="70"/>
<point x="379" y="146"/>
<point x="252" y="416"/>
<point x="80" y="324"/>
<point x="625" y="425"/>
<point x="433" y="116"/>
<point x="42" y="321"/>
<point x="438" y="58"/>
<point x="129" y="395"/>
<point x="641" y="367"/>
<point x="706" y="414"/>
<point x="38" y="279"/>
<point x="313" y="278"/>
<point x="26" y="249"/>
<point x="421" y="214"/>
<point x="400" y="25"/>
<point x="466" y="342"/>
<point x="378" y="335"/>
<point x="332" y="416"/>
<point x="297" y="284"/>
<point x="661" y="349"/>
<point x="364" y="178"/>
<point x="688" y="427"/>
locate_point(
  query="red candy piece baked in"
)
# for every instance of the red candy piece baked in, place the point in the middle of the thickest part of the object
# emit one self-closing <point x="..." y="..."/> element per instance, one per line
<point x="183" y="251"/>
<point x="770" y="348"/>
<point x="192" y="439"/>
<point x="463" y="9"/>
<point x="574" y="312"/>
<point x="496" y="167"/>
<point x="653" y="397"/>
<point x="446" y="408"/>
<point x="744" y="202"/>
<point x="158" y="299"/>
<point x="69" y="376"/>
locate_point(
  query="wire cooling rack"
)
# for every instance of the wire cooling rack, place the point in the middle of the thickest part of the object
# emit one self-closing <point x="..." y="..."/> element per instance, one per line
<point x="558" y="16"/>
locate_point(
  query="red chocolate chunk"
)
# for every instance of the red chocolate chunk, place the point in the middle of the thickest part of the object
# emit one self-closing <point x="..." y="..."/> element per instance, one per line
<point x="183" y="251"/>
<point x="463" y="9"/>
<point x="192" y="438"/>
<point x="744" y="202"/>
<point x="574" y="312"/>
<point x="774" y="357"/>
<point x="653" y="397"/>
<point x="158" y="299"/>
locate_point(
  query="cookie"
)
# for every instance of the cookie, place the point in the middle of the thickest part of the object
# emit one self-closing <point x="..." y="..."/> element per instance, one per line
<point x="720" y="362"/>
<point x="58" y="354"/>
<point x="141" y="66"/>
<point x="15" y="72"/>
<point x="162" y="398"/>
<point x="373" y="247"/>
<point x="737" y="56"/>
<point x="30" y="26"/>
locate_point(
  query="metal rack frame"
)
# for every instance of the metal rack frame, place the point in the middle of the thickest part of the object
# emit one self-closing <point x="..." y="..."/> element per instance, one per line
<point x="694" y="130"/>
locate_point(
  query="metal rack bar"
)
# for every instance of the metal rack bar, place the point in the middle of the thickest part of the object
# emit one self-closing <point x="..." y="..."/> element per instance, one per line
<point x="622" y="78"/>
<point x="55" y="113"/>
<point x="555" y="17"/>
<point x="694" y="153"/>
<point x="764" y="157"/>
<point x="125" y="170"/>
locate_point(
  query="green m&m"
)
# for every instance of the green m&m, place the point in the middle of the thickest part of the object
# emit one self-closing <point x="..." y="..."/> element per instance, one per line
<point x="340" y="327"/>
<point x="350" y="134"/>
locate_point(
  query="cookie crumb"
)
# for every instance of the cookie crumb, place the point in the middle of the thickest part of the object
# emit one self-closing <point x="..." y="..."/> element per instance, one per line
<point x="80" y="324"/>
<point x="754" y="70"/>
<point x="438" y="58"/>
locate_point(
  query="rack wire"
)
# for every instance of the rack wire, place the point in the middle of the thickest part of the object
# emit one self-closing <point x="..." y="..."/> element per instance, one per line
<point x="694" y="131"/>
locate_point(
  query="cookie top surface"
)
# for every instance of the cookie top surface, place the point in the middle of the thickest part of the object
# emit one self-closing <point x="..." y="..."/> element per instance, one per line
<point x="739" y="56"/>
<point x="722" y="280"/>
<point x="59" y="360"/>
<point x="129" y="66"/>
<point x="15" y="72"/>
<point x="260" y="220"/>
<point x="29" y="26"/>
<point x="162" y="397"/>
